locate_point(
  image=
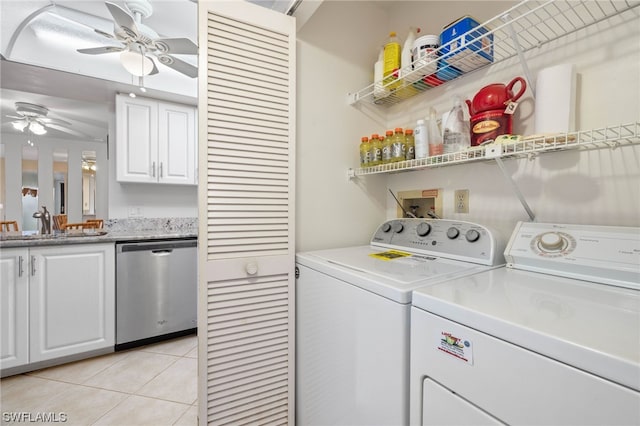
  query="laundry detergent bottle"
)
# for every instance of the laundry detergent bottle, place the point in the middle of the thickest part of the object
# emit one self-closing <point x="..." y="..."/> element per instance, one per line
<point x="456" y="136"/>
<point x="392" y="51"/>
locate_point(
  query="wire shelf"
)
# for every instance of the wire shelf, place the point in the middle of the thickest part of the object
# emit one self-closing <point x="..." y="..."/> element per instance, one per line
<point x="606" y="137"/>
<point x="526" y="26"/>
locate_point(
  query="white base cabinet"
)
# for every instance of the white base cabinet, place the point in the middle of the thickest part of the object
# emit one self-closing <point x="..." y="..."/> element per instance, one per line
<point x="14" y="308"/>
<point x="62" y="304"/>
<point x="155" y="141"/>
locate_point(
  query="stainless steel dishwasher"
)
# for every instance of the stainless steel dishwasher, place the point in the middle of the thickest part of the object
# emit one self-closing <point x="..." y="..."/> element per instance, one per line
<point x="156" y="291"/>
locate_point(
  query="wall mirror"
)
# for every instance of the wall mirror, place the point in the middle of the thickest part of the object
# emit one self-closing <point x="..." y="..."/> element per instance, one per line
<point x="3" y="183"/>
<point x="29" y="190"/>
<point x="60" y="177"/>
<point x="73" y="133"/>
<point x="89" y="183"/>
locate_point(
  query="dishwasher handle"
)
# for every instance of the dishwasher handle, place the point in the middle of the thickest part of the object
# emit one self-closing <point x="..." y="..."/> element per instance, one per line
<point x="162" y="252"/>
<point x="156" y="246"/>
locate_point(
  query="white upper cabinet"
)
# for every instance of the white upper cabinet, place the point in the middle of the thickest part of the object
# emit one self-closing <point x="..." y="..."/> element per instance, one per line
<point x="155" y="141"/>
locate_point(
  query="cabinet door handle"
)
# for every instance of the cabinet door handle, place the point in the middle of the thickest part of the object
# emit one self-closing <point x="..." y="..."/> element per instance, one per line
<point x="33" y="265"/>
<point x="20" y="266"/>
<point x="153" y="169"/>
<point x="161" y="169"/>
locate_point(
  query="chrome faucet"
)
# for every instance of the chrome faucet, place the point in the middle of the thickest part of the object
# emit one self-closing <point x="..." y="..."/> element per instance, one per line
<point x="45" y="220"/>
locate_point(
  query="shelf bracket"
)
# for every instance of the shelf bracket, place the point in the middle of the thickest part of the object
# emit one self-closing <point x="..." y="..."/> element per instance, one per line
<point x="515" y="188"/>
<point x="525" y="67"/>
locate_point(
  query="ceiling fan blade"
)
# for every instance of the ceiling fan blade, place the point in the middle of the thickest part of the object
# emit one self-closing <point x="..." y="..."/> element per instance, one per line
<point x="101" y="50"/>
<point x="103" y="33"/>
<point x="155" y="68"/>
<point x="16" y="116"/>
<point x="66" y="130"/>
<point x="123" y="19"/>
<point x="48" y="121"/>
<point x="178" y="46"/>
<point x="179" y="65"/>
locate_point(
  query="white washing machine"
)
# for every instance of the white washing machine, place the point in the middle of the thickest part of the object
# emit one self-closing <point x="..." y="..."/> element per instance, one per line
<point x="553" y="338"/>
<point x="353" y="315"/>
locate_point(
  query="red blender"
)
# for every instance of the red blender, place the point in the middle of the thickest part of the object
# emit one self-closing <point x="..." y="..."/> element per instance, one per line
<point x="489" y="118"/>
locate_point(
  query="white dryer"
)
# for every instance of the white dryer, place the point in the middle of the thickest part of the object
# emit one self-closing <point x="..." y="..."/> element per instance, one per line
<point x="553" y="338"/>
<point x="353" y="314"/>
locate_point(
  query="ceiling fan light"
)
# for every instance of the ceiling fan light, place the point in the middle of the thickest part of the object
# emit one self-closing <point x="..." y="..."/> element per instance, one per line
<point x="19" y="125"/>
<point x="136" y="63"/>
<point x="37" y="128"/>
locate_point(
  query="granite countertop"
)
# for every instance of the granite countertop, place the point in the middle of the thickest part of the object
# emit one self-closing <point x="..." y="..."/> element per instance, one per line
<point x="114" y="231"/>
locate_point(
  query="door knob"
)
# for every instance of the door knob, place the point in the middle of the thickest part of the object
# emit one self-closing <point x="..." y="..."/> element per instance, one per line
<point x="251" y="268"/>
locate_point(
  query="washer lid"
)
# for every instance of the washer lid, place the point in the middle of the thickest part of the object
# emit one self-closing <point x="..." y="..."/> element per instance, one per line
<point x="592" y="327"/>
<point x="389" y="273"/>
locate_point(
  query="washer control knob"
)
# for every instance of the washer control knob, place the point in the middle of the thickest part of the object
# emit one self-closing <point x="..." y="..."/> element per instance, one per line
<point x="386" y="227"/>
<point x="551" y="241"/>
<point x="423" y="229"/>
<point x="472" y="235"/>
<point x="398" y="227"/>
<point x="453" y="233"/>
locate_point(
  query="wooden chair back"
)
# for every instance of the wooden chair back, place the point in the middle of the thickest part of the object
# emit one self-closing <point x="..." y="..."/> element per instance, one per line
<point x="58" y="221"/>
<point x="99" y="222"/>
<point x="7" y="225"/>
<point x="79" y="225"/>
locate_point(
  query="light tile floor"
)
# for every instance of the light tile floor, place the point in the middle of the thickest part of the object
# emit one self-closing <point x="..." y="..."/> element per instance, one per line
<point x="150" y="385"/>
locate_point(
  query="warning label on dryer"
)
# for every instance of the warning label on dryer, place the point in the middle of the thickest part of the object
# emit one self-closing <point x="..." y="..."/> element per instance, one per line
<point x="455" y="346"/>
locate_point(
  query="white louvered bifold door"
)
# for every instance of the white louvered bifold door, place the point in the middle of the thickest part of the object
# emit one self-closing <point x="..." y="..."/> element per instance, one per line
<point x="246" y="214"/>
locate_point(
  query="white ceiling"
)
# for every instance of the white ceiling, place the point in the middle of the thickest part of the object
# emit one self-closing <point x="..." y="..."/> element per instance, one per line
<point x="38" y="42"/>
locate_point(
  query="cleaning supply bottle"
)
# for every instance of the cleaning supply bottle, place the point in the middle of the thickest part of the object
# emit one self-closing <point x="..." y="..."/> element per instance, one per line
<point x="379" y="91"/>
<point x="421" y="137"/>
<point x="386" y="147"/>
<point x="375" y="149"/>
<point x="406" y="59"/>
<point x="409" y="144"/>
<point x="364" y="152"/>
<point x="456" y="136"/>
<point x="434" y="134"/>
<point x="391" y="69"/>
<point x="397" y="146"/>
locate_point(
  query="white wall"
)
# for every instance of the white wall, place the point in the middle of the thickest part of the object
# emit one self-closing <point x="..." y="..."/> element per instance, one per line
<point x="336" y="51"/>
<point x="332" y="211"/>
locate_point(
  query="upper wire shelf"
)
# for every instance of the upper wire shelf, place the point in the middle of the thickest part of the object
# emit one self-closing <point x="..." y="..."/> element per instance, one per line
<point x="525" y="26"/>
<point x="606" y="137"/>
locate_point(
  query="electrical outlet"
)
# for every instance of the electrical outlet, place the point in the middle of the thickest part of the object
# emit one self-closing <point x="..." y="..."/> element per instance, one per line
<point x="461" y="201"/>
<point x="135" y="212"/>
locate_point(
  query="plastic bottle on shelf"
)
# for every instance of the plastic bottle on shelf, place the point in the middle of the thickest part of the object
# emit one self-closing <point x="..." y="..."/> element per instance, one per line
<point x="364" y="152"/>
<point x="386" y="147"/>
<point x="434" y="135"/>
<point x="397" y="146"/>
<point x="456" y="135"/>
<point x="379" y="91"/>
<point x="409" y="144"/>
<point x="421" y="136"/>
<point x="375" y="149"/>
<point x="392" y="51"/>
<point x="406" y="58"/>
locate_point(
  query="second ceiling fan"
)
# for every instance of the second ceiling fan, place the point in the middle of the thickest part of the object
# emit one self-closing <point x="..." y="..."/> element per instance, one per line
<point x="140" y="43"/>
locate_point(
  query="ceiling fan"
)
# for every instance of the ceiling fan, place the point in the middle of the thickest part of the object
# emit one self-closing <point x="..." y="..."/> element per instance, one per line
<point x="140" y="43"/>
<point x="33" y="118"/>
